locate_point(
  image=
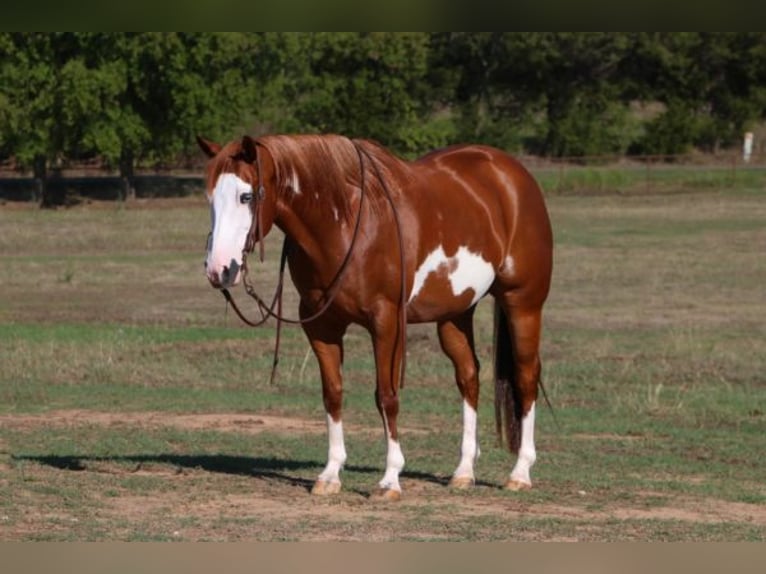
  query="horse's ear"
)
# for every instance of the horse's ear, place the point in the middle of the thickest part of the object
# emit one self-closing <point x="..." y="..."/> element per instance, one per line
<point x="210" y="148"/>
<point x="249" y="150"/>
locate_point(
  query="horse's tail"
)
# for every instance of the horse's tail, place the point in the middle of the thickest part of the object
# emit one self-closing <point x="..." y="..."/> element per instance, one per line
<point x="507" y="402"/>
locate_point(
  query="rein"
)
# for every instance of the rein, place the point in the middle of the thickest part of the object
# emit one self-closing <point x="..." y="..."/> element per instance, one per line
<point x="256" y="236"/>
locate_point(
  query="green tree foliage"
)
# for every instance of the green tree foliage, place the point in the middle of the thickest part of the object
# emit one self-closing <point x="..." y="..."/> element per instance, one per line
<point x="368" y="85"/>
<point x="144" y="96"/>
<point x="713" y="86"/>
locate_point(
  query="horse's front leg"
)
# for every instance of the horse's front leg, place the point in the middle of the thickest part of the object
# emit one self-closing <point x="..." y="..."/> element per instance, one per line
<point x="388" y="351"/>
<point x="327" y="343"/>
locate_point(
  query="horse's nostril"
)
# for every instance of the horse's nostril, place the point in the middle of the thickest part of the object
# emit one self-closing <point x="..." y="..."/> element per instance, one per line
<point x="225" y="274"/>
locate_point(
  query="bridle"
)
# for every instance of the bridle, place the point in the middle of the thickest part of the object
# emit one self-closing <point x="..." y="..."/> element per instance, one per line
<point x="255" y="235"/>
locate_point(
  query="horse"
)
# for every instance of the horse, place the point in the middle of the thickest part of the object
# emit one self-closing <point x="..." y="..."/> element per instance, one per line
<point x="379" y="241"/>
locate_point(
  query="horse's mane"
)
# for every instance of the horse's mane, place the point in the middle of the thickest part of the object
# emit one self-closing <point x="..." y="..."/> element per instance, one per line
<point x="328" y="164"/>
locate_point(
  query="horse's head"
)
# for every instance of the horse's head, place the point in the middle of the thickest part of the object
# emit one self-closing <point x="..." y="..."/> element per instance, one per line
<point x="232" y="186"/>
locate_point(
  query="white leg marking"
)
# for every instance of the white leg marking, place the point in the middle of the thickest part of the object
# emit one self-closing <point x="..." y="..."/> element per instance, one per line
<point x="469" y="449"/>
<point x="527" y="454"/>
<point x="336" y="454"/>
<point x="464" y="270"/>
<point x="394" y="464"/>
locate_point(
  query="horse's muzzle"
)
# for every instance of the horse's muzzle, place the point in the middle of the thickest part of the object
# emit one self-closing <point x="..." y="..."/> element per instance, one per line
<point x="227" y="277"/>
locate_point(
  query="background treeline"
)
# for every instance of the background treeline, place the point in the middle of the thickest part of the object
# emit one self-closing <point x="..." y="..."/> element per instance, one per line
<point x="141" y="97"/>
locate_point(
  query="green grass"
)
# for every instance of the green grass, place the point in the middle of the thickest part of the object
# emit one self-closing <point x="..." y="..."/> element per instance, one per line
<point x="651" y="178"/>
<point x="654" y="353"/>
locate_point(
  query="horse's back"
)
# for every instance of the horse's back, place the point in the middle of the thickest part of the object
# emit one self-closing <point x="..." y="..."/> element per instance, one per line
<point x="490" y="174"/>
<point x="503" y="192"/>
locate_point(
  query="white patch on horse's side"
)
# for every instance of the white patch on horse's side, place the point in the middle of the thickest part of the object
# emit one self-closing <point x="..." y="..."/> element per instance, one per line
<point x="469" y="448"/>
<point x="472" y="272"/>
<point x="465" y="270"/>
<point x="336" y="453"/>
<point x="430" y="264"/>
<point x="231" y="220"/>
<point x="527" y="454"/>
<point x="335" y="213"/>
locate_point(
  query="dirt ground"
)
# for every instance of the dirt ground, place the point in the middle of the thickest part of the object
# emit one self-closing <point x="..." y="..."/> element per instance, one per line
<point x="350" y="516"/>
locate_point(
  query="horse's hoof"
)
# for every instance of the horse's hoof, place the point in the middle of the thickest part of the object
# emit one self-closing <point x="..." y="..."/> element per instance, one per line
<point x="386" y="495"/>
<point x="517" y="486"/>
<point x="461" y="482"/>
<point x="324" y="488"/>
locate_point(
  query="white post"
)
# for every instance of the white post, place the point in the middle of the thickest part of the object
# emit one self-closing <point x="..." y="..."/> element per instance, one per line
<point x="747" y="148"/>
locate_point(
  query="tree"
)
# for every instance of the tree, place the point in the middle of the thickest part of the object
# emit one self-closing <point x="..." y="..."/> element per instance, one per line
<point x="367" y="85"/>
<point x="65" y="99"/>
<point x="142" y="97"/>
<point x="713" y="85"/>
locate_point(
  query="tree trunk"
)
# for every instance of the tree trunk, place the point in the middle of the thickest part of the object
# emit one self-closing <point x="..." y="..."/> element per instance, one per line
<point x="126" y="175"/>
<point x="39" y="169"/>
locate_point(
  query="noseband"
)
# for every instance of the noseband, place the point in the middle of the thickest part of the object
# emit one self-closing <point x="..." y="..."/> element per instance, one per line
<point x="255" y="235"/>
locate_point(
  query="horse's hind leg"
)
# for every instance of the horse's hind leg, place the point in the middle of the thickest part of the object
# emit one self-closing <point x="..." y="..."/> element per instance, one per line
<point x="456" y="338"/>
<point x="523" y="323"/>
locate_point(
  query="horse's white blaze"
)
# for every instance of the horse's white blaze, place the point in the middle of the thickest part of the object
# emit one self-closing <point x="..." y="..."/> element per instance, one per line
<point x="464" y="270"/>
<point x="469" y="449"/>
<point x="231" y="220"/>
<point x="394" y="463"/>
<point x="527" y="454"/>
<point x="336" y="453"/>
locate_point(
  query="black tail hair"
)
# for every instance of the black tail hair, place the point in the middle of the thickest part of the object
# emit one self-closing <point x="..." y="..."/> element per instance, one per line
<point x="507" y="401"/>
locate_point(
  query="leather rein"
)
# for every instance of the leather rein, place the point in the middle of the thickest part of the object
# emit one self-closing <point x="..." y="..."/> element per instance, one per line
<point x="255" y="235"/>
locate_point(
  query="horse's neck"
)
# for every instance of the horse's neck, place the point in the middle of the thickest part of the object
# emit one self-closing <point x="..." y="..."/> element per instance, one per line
<point x="317" y="226"/>
<point x="321" y="218"/>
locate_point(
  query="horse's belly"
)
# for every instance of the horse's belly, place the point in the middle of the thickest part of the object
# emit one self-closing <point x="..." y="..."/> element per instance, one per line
<point x="448" y="284"/>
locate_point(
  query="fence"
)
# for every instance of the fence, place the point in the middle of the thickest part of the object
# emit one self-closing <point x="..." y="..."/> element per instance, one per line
<point x="92" y="181"/>
<point x="647" y="173"/>
<point x="591" y="174"/>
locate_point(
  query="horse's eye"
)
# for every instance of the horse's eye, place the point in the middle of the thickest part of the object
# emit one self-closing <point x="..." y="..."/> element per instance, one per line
<point x="246" y="198"/>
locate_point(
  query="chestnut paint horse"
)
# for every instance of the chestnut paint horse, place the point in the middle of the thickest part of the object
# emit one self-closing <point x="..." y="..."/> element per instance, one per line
<point x="379" y="241"/>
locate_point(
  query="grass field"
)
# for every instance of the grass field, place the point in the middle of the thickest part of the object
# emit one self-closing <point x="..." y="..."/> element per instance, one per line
<point x="133" y="407"/>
